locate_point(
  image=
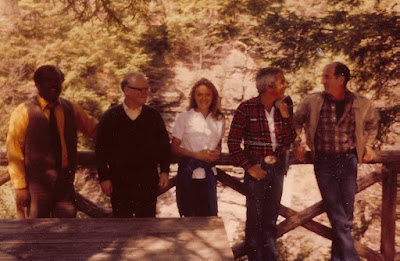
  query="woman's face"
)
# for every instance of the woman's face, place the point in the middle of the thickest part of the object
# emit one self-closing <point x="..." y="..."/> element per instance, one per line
<point x="203" y="97"/>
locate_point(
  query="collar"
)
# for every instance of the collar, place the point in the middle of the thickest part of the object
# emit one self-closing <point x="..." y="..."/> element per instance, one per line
<point x="259" y="103"/>
<point x="45" y="104"/>
<point x="258" y="100"/>
<point x="127" y="109"/>
<point x="271" y="113"/>
<point x="193" y="111"/>
<point x="348" y="96"/>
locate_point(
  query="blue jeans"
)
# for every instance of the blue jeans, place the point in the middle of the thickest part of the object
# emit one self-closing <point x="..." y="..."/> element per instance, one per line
<point x="337" y="181"/>
<point x="263" y="199"/>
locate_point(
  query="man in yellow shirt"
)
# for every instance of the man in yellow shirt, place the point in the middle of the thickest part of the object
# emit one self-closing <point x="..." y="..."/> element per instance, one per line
<point x="42" y="148"/>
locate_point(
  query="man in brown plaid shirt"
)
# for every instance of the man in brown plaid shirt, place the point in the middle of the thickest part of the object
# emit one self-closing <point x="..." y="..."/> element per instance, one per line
<point x="340" y="129"/>
<point x="264" y="124"/>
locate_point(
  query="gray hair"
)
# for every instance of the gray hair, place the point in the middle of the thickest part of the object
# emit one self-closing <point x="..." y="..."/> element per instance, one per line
<point x="129" y="76"/>
<point x="266" y="77"/>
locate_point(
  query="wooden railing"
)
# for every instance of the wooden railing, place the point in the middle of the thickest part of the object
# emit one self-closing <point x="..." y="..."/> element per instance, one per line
<point x="293" y="219"/>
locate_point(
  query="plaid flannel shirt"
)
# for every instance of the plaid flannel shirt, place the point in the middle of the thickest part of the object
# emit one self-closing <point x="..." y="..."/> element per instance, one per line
<point x="335" y="135"/>
<point x="250" y="125"/>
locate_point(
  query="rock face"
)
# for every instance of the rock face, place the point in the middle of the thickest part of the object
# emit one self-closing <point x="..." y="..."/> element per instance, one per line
<point x="233" y="77"/>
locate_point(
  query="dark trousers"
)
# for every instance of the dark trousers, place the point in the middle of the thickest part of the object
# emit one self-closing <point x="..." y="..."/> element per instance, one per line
<point x="263" y="199"/>
<point x="337" y="180"/>
<point x="138" y="201"/>
<point x="52" y="195"/>
<point x="198" y="199"/>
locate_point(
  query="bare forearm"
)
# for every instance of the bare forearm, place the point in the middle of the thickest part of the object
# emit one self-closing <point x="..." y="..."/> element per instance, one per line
<point x="182" y="152"/>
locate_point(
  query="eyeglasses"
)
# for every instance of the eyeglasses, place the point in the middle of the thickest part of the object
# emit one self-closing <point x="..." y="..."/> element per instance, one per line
<point x="141" y="90"/>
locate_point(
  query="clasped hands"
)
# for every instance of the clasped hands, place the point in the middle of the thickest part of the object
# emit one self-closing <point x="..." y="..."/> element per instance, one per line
<point x="208" y="155"/>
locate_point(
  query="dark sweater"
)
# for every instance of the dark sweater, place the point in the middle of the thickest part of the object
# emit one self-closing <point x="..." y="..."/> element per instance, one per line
<point x="129" y="152"/>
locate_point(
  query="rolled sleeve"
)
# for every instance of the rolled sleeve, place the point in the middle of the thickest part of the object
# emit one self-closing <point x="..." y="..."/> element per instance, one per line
<point x="85" y="123"/>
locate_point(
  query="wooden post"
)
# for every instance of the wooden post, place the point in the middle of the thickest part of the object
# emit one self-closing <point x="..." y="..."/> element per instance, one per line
<point x="4" y="177"/>
<point x="388" y="225"/>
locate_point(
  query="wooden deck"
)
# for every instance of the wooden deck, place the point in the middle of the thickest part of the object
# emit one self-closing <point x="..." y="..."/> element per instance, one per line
<point x="387" y="176"/>
<point x="115" y="239"/>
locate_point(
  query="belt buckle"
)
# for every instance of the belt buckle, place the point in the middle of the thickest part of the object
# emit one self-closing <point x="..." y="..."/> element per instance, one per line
<point x="270" y="159"/>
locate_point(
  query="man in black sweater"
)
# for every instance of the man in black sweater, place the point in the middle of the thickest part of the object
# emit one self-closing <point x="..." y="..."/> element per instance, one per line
<point x="131" y="145"/>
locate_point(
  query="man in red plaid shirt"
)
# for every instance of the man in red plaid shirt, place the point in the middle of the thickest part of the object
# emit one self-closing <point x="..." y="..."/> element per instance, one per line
<point x="264" y="124"/>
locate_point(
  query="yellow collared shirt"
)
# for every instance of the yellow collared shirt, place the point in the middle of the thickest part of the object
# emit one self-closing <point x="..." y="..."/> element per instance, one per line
<point x="16" y="136"/>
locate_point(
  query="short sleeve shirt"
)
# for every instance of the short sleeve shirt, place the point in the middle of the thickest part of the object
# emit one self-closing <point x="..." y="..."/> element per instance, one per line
<point x="198" y="133"/>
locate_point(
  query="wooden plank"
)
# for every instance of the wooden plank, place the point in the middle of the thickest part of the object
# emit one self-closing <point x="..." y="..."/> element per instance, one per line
<point x="388" y="221"/>
<point x="115" y="239"/>
<point x="86" y="158"/>
<point x="326" y="232"/>
<point x="90" y="208"/>
<point x="300" y="218"/>
<point x="4" y="177"/>
<point x="229" y="181"/>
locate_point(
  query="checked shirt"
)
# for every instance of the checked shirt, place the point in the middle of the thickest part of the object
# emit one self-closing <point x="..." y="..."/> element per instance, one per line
<point x="250" y="125"/>
<point x="335" y="135"/>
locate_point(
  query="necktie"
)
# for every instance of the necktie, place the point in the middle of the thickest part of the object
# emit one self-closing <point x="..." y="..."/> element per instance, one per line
<point x="55" y="141"/>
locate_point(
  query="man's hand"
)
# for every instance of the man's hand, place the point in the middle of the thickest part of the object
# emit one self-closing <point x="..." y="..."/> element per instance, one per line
<point x="257" y="172"/>
<point x="283" y="108"/>
<point x="23" y="200"/>
<point x="369" y="154"/>
<point x="300" y="153"/>
<point x="163" y="183"/>
<point x="107" y="187"/>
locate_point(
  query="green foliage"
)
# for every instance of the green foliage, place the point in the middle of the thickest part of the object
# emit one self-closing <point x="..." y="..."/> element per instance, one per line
<point x="363" y="38"/>
<point x="388" y="117"/>
<point x="96" y="42"/>
<point x="282" y="250"/>
<point x="285" y="254"/>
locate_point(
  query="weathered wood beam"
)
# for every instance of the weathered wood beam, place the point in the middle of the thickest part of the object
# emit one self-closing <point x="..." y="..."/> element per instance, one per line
<point x="87" y="158"/>
<point x="326" y="232"/>
<point x="388" y="221"/>
<point x="309" y="213"/>
<point x="230" y="181"/>
<point x="4" y="177"/>
<point x="311" y="225"/>
<point x="239" y="249"/>
<point x="300" y="218"/>
<point x="90" y="208"/>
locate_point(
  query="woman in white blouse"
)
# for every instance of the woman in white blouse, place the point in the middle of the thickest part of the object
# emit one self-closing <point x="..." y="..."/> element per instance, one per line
<point x="197" y="136"/>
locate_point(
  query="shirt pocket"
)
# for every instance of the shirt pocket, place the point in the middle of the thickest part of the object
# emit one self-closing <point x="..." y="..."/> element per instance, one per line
<point x="254" y="132"/>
